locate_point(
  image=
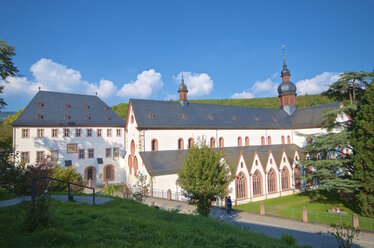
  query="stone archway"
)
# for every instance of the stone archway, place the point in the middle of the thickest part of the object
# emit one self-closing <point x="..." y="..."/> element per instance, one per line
<point x="90" y="173"/>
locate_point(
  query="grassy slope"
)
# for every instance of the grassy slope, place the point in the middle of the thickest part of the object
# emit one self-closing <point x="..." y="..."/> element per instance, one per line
<point x="6" y="195"/>
<point x="270" y="102"/>
<point x="124" y="223"/>
<point x="314" y="201"/>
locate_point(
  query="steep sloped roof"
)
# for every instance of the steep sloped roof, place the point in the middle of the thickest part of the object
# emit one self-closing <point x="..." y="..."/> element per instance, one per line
<point x="170" y="162"/>
<point x="152" y="114"/>
<point x="52" y="107"/>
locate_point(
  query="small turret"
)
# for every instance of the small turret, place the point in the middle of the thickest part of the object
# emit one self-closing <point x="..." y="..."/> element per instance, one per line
<point x="182" y="90"/>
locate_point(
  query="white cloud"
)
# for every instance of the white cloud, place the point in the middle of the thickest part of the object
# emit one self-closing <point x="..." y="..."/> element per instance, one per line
<point x="316" y="84"/>
<point x="197" y="84"/>
<point x="144" y="86"/>
<point x="52" y="76"/>
<point x="244" y="94"/>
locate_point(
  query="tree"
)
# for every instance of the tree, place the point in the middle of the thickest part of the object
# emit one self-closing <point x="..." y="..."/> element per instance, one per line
<point x="7" y="68"/>
<point x="141" y="188"/>
<point x="204" y="176"/>
<point x="363" y="158"/>
<point x="351" y="85"/>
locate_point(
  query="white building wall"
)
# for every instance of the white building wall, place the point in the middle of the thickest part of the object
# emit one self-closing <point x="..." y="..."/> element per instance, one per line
<point x="99" y="144"/>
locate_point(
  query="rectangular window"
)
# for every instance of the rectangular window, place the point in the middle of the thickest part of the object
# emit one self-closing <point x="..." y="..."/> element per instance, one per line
<point x="98" y="132"/>
<point x="109" y="132"/>
<point x="119" y="132"/>
<point x="91" y="153"/>
<point x="89" y="132"/>
<point x="25" y="157"/>
<point x="72" y="148"/>
<point x="40" y="133"/>
<point x="81" y="154"/>
<point x="25" y="133"/>
<point x="66" y="132"/>
<point x="108" y="152"/>
<point x="54" y="155"/>
<point x="78" y="132"/>
<point x="115" y="153"/>
<point x="39" y="156"/>
<point x="54" y="133"/>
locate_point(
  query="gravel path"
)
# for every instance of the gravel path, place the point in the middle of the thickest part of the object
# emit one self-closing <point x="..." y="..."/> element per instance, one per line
<point x="78" y="199"/>
<point x="314" y="235"/>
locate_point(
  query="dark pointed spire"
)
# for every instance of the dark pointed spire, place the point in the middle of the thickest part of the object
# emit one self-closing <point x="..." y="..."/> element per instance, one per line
<point x="285" y="72"/>
<point x="284" y="56"/>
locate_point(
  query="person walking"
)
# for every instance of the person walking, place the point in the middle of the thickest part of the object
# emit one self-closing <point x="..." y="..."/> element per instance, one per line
<point x="229" y="205"/>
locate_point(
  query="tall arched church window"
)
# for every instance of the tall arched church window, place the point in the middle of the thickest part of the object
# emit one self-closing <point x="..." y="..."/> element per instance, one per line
<point x="257" y="183"/>
<point x="132" y="148"/>
<point x="272" y="181"/>
<point x="212" y="142"/>
<point x="283" y="140"/>
<point x="190" y="143"/>
<point x="241" y="186"/>
<point x="285" y="177"/>
<point x="154" y="145"/>
<point x="288" y="139"/>
<point x="221" y="142"/>
<point x="269" y="140"/>
<point x="135" y="164"/>
<point x="239" y="141"/>
<point x="247" y="141"/>
<point x="180" y="144"/>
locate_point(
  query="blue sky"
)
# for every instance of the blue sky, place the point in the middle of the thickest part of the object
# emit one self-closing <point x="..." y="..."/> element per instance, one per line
<point x="225" y="49"/>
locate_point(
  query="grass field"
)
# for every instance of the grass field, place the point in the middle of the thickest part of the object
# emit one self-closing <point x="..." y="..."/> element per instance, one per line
<point x="317" y="204"/>
<point x="6" y="195"/>
<point x="124" y="223"/>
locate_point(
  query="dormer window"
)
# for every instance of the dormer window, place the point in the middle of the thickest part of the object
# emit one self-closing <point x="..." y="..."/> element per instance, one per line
<point x="108" y="118"/>
<point x="234" y="118"/>
<point x="40" y="105"/>
<point x="67" y="106"/>
<point x="67" y="117"/>
<point x="87" y="117"/>
<point x="106" y="108"/>
<point x="211" y="117"/>
<point x="151" y="116"/>
<point x="40" y="117"/>
<point x="86" y="106"/>
<point x="184" y="116"/>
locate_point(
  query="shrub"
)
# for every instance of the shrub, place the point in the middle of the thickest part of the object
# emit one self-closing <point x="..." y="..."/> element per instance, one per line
<point x="288" y="238"/>
<point x="68" y="174"/>
<point x="109" y="190"/>
<point x="344" y="234"/>
<point x="141" y="187"/>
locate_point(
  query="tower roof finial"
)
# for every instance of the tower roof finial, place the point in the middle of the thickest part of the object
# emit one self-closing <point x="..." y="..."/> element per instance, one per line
<point x="284" y="55"/>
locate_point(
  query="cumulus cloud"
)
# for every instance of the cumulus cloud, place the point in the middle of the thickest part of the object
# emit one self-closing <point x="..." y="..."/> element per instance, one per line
<point x="144" y="86"/>
<point x="268" y="87"/>
<point x="243" y="94"/>
<point x="316" y="84"/>
<point x="197" y="84"/>
<point x="52" y="76"/>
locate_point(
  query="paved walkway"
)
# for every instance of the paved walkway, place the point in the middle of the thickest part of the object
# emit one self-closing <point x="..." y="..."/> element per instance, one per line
<point x="78" y="199"/>
<point x="315" y="235"/>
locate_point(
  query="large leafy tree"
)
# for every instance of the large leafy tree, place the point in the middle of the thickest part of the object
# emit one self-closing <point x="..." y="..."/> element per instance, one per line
<point x="363" y="143"/>
<point x="204" y="176"/>
<point x="350" y="86"/>
<point x="7" y="68"/>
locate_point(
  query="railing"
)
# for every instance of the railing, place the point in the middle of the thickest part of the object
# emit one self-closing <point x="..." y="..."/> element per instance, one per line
<point x="70" y="197"/>
<point x="314" y="216"/>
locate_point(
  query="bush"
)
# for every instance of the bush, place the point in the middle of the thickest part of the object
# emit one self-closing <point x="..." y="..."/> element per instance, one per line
<point x="288" y="238"/>
<point x="344" y="234"/>
<point x="68" y="174"/>
<point x="109" y="190"/>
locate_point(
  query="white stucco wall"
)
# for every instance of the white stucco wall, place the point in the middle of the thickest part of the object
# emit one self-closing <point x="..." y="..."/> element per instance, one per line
<point x="99" y="144"/>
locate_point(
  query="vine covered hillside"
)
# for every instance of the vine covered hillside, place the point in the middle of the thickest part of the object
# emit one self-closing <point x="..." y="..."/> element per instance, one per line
<point x="269" y="102"/>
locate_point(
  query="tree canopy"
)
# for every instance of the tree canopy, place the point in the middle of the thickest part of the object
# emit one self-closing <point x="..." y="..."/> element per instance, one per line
<point x="363" y="142"/>
<point x="204" y="176"/>
<point x="7" y="68"/>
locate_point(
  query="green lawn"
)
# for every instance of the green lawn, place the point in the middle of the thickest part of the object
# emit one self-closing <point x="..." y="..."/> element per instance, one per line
<point x="6" y="195"/>
<point x="124" y="223"/>
<point x="317" y="204"/>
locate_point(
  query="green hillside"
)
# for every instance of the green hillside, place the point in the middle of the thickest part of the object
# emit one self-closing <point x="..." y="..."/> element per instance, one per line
<point x="124" y="223"/>
<point x="269" y="102"/>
